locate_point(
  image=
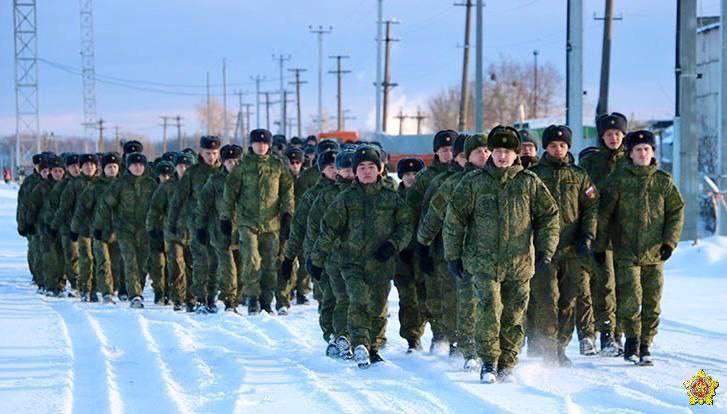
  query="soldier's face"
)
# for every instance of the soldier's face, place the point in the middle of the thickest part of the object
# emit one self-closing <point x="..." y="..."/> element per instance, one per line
<point x="44" y="173"/>
<point x="408" y="179"/>
<point x="613" y="138"/>
<point x="137" y="169"/>
<point x="642" y="155"/>
<point x="503" y="157"/>
<point x="111" y="170"/>
<point x="557" y="149"/>
<point x="367" y="172"/>
<point x="295" y="166"/>
<point x="479" y="156"/>
<point x="57" y="173"/>
<point x="445" y="154"/>
<point x="527" y="149"/>
<point x="330" y="172"/>
<point x="74" y="170"/>
<point x="180" y="169"/>
<point x="210" y="156"/>
<point x="230" y="163"/>
<point x="260" y="148"/>
<point x="88" y="169"/>
<point x="346" y="173"/>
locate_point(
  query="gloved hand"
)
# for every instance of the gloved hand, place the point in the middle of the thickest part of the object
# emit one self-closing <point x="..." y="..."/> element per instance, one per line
<point x="583" y="248"/>
<point x="203" y="236"/>
<point x="425" y="261"/>
<point x="74" y="236"/>
<point x="98" y="234"/>
<point x="226" y="227"/>
<point x="599" y="257"/>
<point x="455" y="268"/>
<point x="542" y="263"/>
<point x="286" y="268"/>
<point x="407" y="256"/>
<point x="285" y="220"/>
<point x="385" y="251"/>
<point x="313" y="270"/>
<point x="665" y="252"/>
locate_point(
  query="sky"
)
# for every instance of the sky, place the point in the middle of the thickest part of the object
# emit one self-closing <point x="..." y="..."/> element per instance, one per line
<point x="163" y="50"/>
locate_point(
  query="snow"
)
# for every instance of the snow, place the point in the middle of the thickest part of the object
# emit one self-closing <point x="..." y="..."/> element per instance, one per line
<point x="61" y="355"/>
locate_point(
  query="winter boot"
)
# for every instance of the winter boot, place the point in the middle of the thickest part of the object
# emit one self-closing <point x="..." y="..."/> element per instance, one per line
<point x="609" y="348"/>
<point x="488" y="373"/>
<point x="211" y="305"/>
<point x="563" y="359"/>
<point x="189" y="307"/>
<point x="454" y="351"/>
<point x="301" y="300"/>
<point x="85" y="297"/>
<point x="414" y="345"/>
<point x="283" y="311"/>
<point x="505" y="375"/>
<point x="137" y="302"/>
<point x="200" y="308"/>
<point x="177" y="306"/>
<point x="361" y="356"/>
<point x="253" y="307"/>
<point x="331" y="348"/>
<point x="471" y="365"/>
<point x="645" y="356"/>
<point x="344" y="347"/>
<point x="375" y="357"/>
<point x="267" y="308"/>
<point x="587" y="346"/>
<point x="631" y="350"/>
<point x="94" y="297"/>
<point x="123" y="296"/>
<point x="437" y="341"/>
<point x="108" y="299"/>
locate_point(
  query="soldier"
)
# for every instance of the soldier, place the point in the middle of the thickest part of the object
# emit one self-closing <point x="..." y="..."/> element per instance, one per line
<point x="528" y="149"/>
<point x="296" y="142"/>
<point x="184" y="199"/>
<point x="108" y="271"/>
<point x="496" y="218"/>
<point x="442" y="147"/>
<point x="310" y="176"/>
<point x="599" y="164"/>
<point x="259" y="195"/>
<point x="476" y="155"/>
<point x="164" y="170"/>
<point x="408" y="279"/>
<point x="642" y="213"/>
<point x="555" y="290"/>
<point x="66" y="208"/>
<point x="68" y="246"/>
<point x="41" y="207"/>
<point x="122" y="210"/>
<point x="25" y="229"/>
<point x="227" y="250"/>
<point x="369" y="223"/>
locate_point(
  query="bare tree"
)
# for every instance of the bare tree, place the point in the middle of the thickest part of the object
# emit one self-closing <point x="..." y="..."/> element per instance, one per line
<point x="214" y="117"/>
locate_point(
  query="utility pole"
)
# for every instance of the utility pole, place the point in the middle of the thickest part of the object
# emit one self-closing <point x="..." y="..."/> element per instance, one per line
<point x="116" y="135"/>
<point x="247" y="129"/>
<point x="401" y="117"/>
<point x="164" y="131"/>
<point x="387" y="85"/>
<point x="535" y="84"/>
<point x="320" y="31"/>
<point x="179" y="132"/>
<point x="281" y="62"/>
<point x="268" y="103"/>
<point x="378" y="84"/>
<point x="465" y="64"/>
<point x="479" y="103"/>
<point x="209" y="106"/>
<point x="224" y="100"/>
<point x="297" y="82"/>
<point x="284" y="119"/>
<point x="722" y="148"/>
<point x="420" y="117"/>
<point x="88" y="65"/>
<point x="27" y="136"/>
<point x="99" y="144"/>
<point x="602" y="107"/>
<point x="685" y="167"/>
<point x="257" y="80"/>
<point x="339" y="95"/>
<point x="574" y="73"/>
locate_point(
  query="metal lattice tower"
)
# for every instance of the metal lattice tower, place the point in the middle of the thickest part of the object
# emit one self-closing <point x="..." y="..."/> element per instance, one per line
<point x="27" y="138"/>
<point x="88" y="68"/>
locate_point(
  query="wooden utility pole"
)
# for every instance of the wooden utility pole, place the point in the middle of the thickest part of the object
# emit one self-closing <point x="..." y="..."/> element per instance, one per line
<point x="602" y="107"/>
<point x="339" y="95"/>
<point x="535" y="84"/>
<point x="387" y="85"/>
<point x="178" y="120"/>
<point x="100" y="145"/>
<point x="164" y="131"/>
<point x="419" y="117"/>
<point x="297" y="82"/>
<point x="401" y="117"/>
<point x="465" y="66"/>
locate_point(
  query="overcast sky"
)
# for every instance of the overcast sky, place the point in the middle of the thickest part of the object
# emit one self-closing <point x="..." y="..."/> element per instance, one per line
<point x="152" y="44"/>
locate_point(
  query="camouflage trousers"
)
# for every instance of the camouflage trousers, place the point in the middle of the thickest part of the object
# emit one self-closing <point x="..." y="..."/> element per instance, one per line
<point x="86" y="270"/>
<point x="441" y="293"/>
<point x="334" y="304"/>
<point x="34" y="258"/>
<point x="409" y="283"/>
<point x="466" y="316"/>
<point x="639" y="290"/>
<point x="285" y="288"/>
<point x="229" y="273"/>
<point x="368" y="286"/>
<point x="326" y="306"/>
<point x="109" y="269"/>
<point x="501" y="305"/>
<point x="205" y="282"/>
<point x="70" y="257"/>
<point x="134" y="250"/>
<point x="258" y="254"/>
<point x="51" y="263"/>
<point x="157" y="265"/>
<point x="604" y="297"/>
<point x="179" y="270"/>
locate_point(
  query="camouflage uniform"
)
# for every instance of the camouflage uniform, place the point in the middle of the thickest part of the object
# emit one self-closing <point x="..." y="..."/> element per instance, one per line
<point x="258" y="192"/>
<point x="68" y="246"/>
<point x="493" y="218"/>
<point x="360" y="220"/>
<point x="641" y="210"/>
<point x="26" y="189"/>
<point x="41" y="206"/>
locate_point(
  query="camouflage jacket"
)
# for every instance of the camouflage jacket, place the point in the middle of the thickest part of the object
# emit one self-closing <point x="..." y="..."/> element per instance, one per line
<point x="183" y="201"/>
<point x="68" y="201"/>
<point x="42" y="204"/>
<point x="494" y="217"/>
<point x="324" y="198"/>
<point x="305" y="180"/>
<point x="208" y="206"/>
<point x="299" y="226"/>
<point x="640" y="210"/>
<point x="415" y="195"/>
<point x="123" y="207"/>
<point x="56" y="195"/>
<point x="83" y="215"/>
<point x="599" y="164"/>
<point x="24" y="192"/>
<point x="157" y="218"/>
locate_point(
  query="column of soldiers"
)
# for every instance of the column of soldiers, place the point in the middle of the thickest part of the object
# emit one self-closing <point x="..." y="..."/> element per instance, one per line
<point x="490" y="243"/>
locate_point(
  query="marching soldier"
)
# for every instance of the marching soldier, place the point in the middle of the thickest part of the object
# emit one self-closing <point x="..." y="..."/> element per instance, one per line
<point x="164" y="170"/>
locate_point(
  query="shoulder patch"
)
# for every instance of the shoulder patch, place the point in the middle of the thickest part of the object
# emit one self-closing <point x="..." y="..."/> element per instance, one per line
<point x="591" y="192"/>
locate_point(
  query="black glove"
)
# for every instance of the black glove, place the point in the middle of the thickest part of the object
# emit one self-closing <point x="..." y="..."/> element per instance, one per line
<point x="286" y="268"/>
<point x="599" y="257"/>
<point x="455" y="268"/>
<point x="407" y="256"/>
<point x="665" y="251"/>
<point x="285" y="220"/>
<point x="74" y="236"/>
<point x="203" y="236"/>
<point x="98" y="234"/>
<point x="52" y="232"/>
<point x="542" y="263"/>
<point x="385" y="251"/>
<point x="313" y="270"/>
<point x="30" y="229"/>
<point x="425" y="261"/>
<point x="226" y="227"/>
<point x="583" y="248"/>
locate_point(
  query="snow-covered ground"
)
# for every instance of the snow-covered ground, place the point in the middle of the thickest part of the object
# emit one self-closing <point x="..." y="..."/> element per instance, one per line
<point x="61" y="355"/>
